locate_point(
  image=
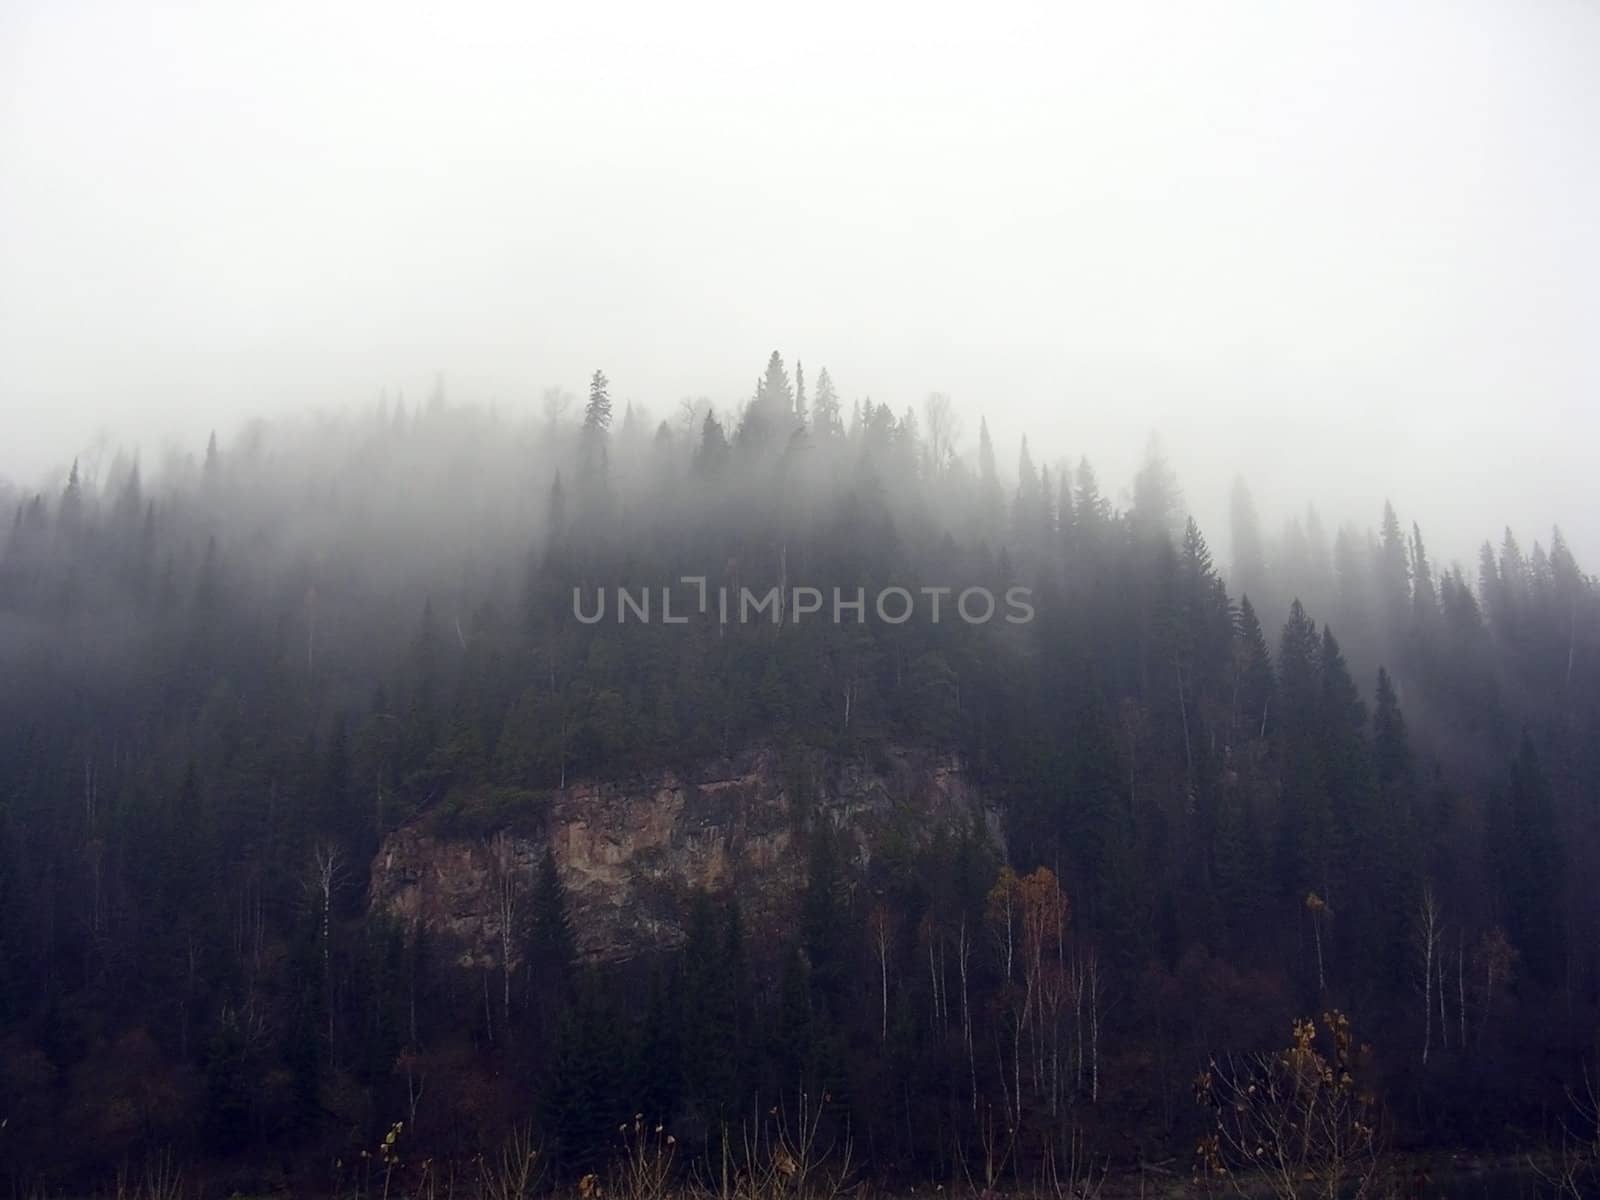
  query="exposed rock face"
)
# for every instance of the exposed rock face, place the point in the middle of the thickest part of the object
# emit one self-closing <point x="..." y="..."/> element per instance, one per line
<point x="631" y="854"/>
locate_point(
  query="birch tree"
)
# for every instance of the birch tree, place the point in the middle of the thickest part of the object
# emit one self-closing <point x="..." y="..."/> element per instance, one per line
<point x="508" y="890"/>
<point x="1427" y="931"/>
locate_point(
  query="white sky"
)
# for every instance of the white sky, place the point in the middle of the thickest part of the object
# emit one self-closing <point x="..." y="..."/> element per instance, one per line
<point x="1352" y="249"/>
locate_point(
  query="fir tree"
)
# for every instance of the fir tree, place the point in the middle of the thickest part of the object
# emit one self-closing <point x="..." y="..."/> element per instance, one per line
<point x="1249" y="554"/>
<point x="1253" y="676"/>
<point x="827" y="421"/>
<point x="1157" y="502"/>
<point x="990" y="496"/>
<point x="596" y="432"/>
<point x="1525" y="852"/>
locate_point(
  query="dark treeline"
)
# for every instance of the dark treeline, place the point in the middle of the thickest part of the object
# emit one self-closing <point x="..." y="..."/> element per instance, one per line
<point x="1336" y="776"/>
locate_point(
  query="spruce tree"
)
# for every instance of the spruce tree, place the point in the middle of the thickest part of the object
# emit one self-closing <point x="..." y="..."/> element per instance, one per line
<point x="1525" y="852"/>
<point x="991" y="502"/>
<point x="1157" y="502"/>
<point x="826" y="421"/>
<point x="593" y="440"/>
<point x="552" y="952"/>
<point x="1249" y="554"/>
<point x="1391" y="747"/>
<point x="1090" y="509"/>
<point x="1302" y="833"/>
<point x="1424" y="597"/>
<point x="709" y="1014"/>
<point x="1253" y="675"/>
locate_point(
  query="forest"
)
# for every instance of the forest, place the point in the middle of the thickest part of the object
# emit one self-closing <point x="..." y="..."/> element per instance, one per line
<point x="1319" y="808"/>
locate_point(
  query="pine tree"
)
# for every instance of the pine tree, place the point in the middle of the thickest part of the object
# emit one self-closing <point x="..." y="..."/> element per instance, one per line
<point x="1342" y="720"/>
<point x="69" y="513"/>
<point x="1157" y="502"/>
<point x="1319" y="563"/>
<point x="211" y="471"/>
<point x="791" y="1045"/>
<point x="555" y="542"/>
<point x="1298" y="654"/>
<point x="551" y="954"/>
<point x="1353" y="561"/>
<point x="711" y="456"/>
<point x="1567" y="595"/>
<point x="1514" y="578"/>
<point x="1491" y="588"/>
<point x="991" y="502"/>
<point x="769" y="419"/>
<point x="1027" y="513"/>
<point x="1066" y="518"/>
<point x="1239" y="852"/>
<point x="1350" y="830"/>
<point x="827" y="421"/>
<point x="1249" y="554"/>
<point x="1390" y="867"/>
<point x="1126" y="908"/>
<point x="1303" y="820"/>
<point x="1091" y="510"/>
<point x="1391" y="747"/>
<point x="1525" y="854"/>
<point x="1393" y="575"/>
<point x="774" y="393"/>
<point x="582" y="1102"/>
<point x="1424" y="598"/>
<point x="822" y="919"/>
<point x="592" y="442"/>
<point x="658" y="1066"/>
<point x="709" y="1014"/>
<point x="229" y="1087"/>
<point x="1253" y="678"/>
<point x="1462" y="614"/>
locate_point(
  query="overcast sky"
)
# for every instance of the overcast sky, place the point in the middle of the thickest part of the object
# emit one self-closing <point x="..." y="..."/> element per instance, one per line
<point x="1352" y="249"/>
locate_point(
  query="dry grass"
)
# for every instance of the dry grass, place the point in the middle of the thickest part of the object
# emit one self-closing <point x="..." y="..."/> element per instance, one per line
<point x="786" y="1153"/>
<point x="781" y="1157"/>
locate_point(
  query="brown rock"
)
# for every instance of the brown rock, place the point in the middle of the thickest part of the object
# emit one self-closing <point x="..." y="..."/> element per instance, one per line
<point x="632" y="853"/>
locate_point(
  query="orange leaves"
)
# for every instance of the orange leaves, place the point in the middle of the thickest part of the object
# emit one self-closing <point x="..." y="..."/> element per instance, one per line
<point x="1003" y="896"/>
<point x="1036" y="901"/>
<point x="1044" y="911"/>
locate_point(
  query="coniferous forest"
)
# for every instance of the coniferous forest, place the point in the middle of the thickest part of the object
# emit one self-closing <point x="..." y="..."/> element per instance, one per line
<point x="1305" y="813"/>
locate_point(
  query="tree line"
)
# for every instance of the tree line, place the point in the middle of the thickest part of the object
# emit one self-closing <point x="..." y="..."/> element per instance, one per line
<point x="1335" y="775"/>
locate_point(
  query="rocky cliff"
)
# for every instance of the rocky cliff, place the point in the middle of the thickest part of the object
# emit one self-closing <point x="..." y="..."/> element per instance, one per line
<point x="632" y="853"/>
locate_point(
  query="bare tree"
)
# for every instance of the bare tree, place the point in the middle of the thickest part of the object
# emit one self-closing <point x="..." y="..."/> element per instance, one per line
<point x="1044" y="920"/>
<point x="507" y="897"/>
<point x="1494" y="959"/>
<point x="1297" y="1123"/>
<point x="692" y="412"/>
<point x="327" y="869"/>
<point x="1319" y="910"/>
<point x="944" y="430"/>
<point x="555" y="403"/>
<point x="880" y="925"/>
<point x="1574" y="1170"/>
<point x="1004" y="911"/>
<point x="964" y="961"/>
<point x="1094" y="982"/>
<point x="1426" y="932"/>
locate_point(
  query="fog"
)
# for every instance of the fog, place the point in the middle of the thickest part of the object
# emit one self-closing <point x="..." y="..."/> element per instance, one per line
<point x="1350" y="253"/>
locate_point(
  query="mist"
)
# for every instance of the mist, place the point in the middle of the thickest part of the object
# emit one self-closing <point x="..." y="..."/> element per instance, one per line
<point x="1348" y="254"/>
<point x="706" y="602"/>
